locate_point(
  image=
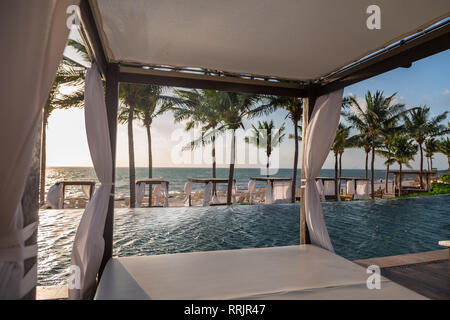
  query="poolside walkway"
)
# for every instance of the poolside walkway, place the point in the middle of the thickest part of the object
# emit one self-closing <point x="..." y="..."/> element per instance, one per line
<point x="426" y="273"/>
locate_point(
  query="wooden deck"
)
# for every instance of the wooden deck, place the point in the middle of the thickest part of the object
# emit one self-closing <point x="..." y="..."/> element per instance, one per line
<point x="426" y="273"/>
<point x="52" y="293"/>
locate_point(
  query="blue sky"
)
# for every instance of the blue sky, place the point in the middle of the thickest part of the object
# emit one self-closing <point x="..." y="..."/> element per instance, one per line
<point x="425" y="82"/>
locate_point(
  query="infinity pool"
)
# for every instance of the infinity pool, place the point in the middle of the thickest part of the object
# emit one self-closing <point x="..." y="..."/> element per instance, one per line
<point x="358" y="230"/>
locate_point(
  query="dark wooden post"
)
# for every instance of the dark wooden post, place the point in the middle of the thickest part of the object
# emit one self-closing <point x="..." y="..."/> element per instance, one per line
<point x="308" y="106"/>
<point x="30" y="203"/>
<point x="63" y="195"/>
<point x="91" y="191"/>
<point x="112" y="103"/>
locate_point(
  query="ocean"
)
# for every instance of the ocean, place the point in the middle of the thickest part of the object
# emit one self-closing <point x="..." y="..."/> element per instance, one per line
<point x="177" y="177"/>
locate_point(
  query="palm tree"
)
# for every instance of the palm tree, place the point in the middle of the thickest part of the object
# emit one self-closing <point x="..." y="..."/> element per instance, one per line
<point x="389" y="129"/>
<point x="267" y="137"/>
<point x="235" y="107"/>
<point x="444" y="148"/>
<point x="152" y="105"/>
<point x="404" y="150"/>
<point x="294" y="107"/>
<point x="198" y="107"/>
<point x="420" y="126"/>
<point x="341" y="141"/>
<point x="362" y="140"/>
<point x="69" y="74"/>
<point x="431" y="147"/>
<point x="132" y="96"/>
<point x="371" y="118"/>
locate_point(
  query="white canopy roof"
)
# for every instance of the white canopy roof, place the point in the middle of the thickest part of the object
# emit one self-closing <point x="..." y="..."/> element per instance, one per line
<point x="293" y="39"/>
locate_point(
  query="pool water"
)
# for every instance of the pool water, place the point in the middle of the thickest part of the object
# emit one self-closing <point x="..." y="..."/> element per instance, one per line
<point x="358" y="230"/>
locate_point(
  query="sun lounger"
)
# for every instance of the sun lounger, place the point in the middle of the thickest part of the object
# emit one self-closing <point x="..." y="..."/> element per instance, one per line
<point x="81" y="203"/>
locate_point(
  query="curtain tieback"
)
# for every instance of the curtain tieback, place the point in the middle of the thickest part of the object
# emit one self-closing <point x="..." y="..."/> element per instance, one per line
<point x="306" y="181"/>
<point x="11" y="250"/>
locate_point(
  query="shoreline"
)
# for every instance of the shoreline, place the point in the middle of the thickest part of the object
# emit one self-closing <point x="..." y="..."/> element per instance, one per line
<point x="176" y="198"/>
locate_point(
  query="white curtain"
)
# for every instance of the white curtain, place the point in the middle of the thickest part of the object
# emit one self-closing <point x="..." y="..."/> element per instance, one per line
<point x="320" y="189"/>
<point x="351" y="187"/>
<point x="319" y="138"/>
<point x="89" y="244"/>
<point x="329" y="188"/>
<point x="157" y="193"/>
<point x="269" y="193"/>
<point x="233" y="192"/>
<point x="140" y="192"/>
<point x="33" y="36"/>
<point x="55" y="195"/>
<point x="187" y="192"/>
<point x="362" y="190"/>
<point x="215" y="198"/>
<point x="281" y="191"/>
<point x="207" y="194"/>
<point x="86" y="190"/>
<point x="165" y="192"/>
<point x="251" y="189"/>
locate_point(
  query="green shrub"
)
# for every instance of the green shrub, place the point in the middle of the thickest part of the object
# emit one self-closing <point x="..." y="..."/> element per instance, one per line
<point x="438" y="188"/>
<point x="445" y="177"/>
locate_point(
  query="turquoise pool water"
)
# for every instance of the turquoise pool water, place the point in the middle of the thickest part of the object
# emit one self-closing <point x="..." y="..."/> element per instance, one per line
<point x="358" y="230"/>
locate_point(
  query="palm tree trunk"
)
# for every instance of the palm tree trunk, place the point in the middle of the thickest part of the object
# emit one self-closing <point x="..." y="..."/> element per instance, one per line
<point x="336" y="168"/>
<point x="213" y="155"/>
<point x="231" y="170"/>
<point x="43" y="161"/>
<point x="372" y="173"/>
<point x="428" y="163"/>
<point x="387" y="179"/>
<point x="421" y="165"/>
<point x="340" y="165"/>
<point x="150" y="156"/>
<point x="367" y="164"/>
<point x="131" y="158"/>
<point x="431" y="163"/>
<point x="150" y="163"/>
<point x="294" y="173"/>
<point x="448" y="160"/>
<point x="400" y="182"/>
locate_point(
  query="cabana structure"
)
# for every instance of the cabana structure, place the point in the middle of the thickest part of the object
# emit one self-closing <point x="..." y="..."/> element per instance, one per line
<point x="278" y="189"/>
<point x="160" y="185"/>
<point x="210" y="191"/>
<point x="354" y="186"/>
<point x="308" y="49"/>
<point x="426" y="175"/>
<point x="56" y="193"/>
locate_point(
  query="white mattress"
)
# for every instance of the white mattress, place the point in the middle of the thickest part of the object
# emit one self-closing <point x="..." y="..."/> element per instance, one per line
<point x="294" y="272"/>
